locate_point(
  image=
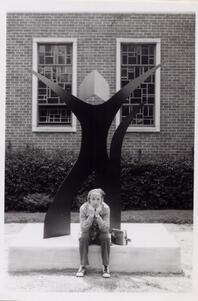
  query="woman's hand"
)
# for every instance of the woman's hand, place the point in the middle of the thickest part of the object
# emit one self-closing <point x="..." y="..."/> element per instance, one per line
<point x="98" y="210"/>
<point x="91" y="210"/>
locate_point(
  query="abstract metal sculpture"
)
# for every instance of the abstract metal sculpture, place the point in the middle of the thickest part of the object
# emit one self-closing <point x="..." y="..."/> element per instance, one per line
<point x="95" y="121"/>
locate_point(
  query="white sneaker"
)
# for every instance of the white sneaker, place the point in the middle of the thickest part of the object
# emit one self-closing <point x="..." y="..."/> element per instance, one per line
<point x="105" y="271"/>
<point x="81" y="271"/>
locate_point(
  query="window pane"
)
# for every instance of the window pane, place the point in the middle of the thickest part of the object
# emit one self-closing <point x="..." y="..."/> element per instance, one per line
<point x="61" y="59"/>
<point x="55" y="62"/>
<point x="136" y="60"/>
<point x="54" y="115"/>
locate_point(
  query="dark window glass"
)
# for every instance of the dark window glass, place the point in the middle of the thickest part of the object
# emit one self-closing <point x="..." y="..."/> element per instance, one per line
<point x="137" y="59"/>
<point x="54" y="62"/>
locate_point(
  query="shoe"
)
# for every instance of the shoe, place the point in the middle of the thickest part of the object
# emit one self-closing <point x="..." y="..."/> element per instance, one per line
<point x="81" y="271"/>
<point x="105" y="271"/>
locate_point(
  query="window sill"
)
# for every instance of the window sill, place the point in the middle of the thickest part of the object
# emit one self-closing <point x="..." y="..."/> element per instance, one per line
<point x="143" y="129"/>
<point x="54" y="129"/>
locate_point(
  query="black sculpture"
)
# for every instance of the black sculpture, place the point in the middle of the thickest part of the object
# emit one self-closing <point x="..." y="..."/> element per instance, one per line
<point x="95" y="121"/>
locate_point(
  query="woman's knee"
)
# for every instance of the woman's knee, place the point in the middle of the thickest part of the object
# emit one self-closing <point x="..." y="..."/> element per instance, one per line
<point x="84" y="236"/>
<point x="104" y="237"/>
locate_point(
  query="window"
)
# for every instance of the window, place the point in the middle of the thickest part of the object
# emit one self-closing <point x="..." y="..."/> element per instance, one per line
<point x="55" y="59"/>
<point x="134" y="57"/>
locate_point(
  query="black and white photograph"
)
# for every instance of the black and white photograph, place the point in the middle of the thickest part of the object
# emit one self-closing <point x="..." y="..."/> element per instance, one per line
<point x="98" y="149"/>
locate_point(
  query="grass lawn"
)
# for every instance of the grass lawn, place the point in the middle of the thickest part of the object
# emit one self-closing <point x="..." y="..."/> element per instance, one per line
<point x="133" y="216"/>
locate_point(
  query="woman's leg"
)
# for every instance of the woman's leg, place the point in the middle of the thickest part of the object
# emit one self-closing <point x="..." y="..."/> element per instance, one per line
<point x="84" y="241"/>
<point x="104" y="240"/>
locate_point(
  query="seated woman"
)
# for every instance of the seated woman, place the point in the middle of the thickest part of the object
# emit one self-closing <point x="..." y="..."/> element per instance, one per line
<point x="94" y="224"/>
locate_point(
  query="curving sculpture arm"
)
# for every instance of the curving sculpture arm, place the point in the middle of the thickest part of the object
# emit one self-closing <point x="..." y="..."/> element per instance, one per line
<point x="117" y="99"/>
<point x="74" y="103"/>
<point x="112" y="180"/>
<point x="117" y="140"/>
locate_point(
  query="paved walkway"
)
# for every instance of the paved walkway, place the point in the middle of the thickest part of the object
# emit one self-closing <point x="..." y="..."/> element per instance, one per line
<point x="67" y="282"/>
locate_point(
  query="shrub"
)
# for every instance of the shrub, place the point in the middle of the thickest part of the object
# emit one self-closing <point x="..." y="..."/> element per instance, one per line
<point x="33" y="176"/>
<point x="35" y="202"/>
<point x="151" y="186"/>
<point x="34" y="171"/>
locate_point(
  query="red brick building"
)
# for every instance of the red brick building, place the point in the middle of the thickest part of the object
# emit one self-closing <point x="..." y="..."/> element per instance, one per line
<point x="67" y="46"/>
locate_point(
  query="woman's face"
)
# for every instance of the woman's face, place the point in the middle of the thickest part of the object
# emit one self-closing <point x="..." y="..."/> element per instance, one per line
<point x="95" y="199"/>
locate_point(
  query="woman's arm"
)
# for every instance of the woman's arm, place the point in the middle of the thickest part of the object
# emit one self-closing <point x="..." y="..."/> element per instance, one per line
<point x="104" y="223"/>
<point x="85" y="222"/>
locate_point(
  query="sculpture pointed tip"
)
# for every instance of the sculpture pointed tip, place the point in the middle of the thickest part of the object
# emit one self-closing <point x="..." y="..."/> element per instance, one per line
<point x="94" y="84"/>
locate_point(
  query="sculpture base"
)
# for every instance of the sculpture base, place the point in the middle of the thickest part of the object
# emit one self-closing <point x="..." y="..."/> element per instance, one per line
<point x="152" y="249"/>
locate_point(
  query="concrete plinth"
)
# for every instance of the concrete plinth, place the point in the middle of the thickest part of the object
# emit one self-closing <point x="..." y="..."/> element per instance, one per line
<point x="152" y="249"/>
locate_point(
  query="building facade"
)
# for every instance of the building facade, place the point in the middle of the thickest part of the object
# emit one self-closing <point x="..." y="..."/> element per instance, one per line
<point x="65" y="47"/>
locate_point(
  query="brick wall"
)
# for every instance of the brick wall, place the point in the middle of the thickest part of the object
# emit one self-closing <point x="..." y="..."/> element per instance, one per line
<point x="96" y="49"/>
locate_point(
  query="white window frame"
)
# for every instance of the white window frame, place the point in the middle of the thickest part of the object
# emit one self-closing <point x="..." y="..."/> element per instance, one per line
<point x="156" y="127"/>
<point x="35" y="127"/>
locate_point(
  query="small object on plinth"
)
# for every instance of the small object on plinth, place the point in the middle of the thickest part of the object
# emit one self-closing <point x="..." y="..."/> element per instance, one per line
<point x="119" y="237"/>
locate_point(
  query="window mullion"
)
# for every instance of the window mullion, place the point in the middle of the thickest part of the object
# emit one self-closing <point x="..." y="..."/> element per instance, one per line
<point x="52" y="111"/>
<point x="135" y="60"/>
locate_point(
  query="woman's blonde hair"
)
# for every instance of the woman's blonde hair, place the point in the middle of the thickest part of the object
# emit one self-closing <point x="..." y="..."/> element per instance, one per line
<point x="96" y="190"/>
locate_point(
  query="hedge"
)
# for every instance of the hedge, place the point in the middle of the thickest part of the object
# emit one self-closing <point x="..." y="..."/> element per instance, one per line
<point x="32" y="177"/>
